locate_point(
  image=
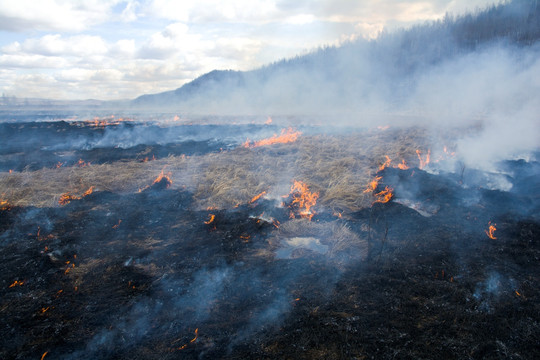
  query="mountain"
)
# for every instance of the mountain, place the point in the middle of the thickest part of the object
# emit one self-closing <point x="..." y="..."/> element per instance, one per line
<point x="362" y="75"/>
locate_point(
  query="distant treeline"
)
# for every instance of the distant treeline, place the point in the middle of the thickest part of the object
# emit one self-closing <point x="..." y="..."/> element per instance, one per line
<point x="332" y="73"/>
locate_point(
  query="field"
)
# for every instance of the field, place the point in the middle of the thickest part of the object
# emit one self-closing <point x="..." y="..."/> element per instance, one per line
<point x="143" y="239"/>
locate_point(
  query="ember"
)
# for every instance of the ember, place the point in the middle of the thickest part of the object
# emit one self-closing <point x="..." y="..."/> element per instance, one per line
<point x="211" y="219"/>
<point x="17" y="283"/>
<point x="286" y="136"/>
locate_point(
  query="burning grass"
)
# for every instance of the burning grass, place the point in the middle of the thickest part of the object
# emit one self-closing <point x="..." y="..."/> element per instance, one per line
<point x="338" y="168"/>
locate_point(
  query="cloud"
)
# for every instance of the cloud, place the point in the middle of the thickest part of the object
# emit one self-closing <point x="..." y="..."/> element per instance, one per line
<point x="53" y="15"/>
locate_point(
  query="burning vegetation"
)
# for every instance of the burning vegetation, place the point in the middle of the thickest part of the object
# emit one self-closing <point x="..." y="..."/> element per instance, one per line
<point x="313" y="240"/>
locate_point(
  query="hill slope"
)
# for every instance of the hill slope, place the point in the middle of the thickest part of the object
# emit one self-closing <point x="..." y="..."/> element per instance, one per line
<point x="363" y="75"/>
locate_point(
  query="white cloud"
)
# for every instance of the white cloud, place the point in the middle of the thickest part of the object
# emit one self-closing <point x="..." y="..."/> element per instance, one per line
<point x="53" y="15"/>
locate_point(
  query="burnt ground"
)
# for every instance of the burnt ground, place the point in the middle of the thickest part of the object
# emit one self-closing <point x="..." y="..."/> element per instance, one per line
<point x="147" y="276"/>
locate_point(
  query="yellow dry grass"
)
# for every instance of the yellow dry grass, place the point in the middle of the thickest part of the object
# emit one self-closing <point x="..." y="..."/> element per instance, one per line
<point x="338" y="167"/>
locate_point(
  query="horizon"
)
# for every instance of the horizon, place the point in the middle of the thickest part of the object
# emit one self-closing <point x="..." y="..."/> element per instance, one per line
<point x="70" y="52"/>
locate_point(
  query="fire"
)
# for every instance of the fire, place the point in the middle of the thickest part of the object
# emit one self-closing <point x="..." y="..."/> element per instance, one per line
<point x="67" y="197"/>
<point x="4" y="205"/>
<point x="81" y="163"/>
<point x="268" y="121"/>
<point x="17" y="283"/>
<point x="403" y="165"/>
<point x="490" y="232"/>
<point x="385" y="164"/>
<point x="211" y="220"/>
<point x="44" y="354"/>
<point x="117" y="225"/>
<point x="384" y="196"/>
<point x="196" y="336"/>
<point x="373" y="184"/>
<point x="303" y="199"/>
<point x="287" y="136"/>
<point x="59" y="164"/>
<point x="385" y="127"/>
<point x="257" y="197"/>
<point x="423" y="162"/>
<point x="162" y="176"/>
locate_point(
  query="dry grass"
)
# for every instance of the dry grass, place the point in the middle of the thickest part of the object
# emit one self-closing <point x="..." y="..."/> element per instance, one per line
<point x="338" y="167"/>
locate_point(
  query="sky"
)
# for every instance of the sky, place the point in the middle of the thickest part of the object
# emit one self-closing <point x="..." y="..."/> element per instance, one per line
<point x="120" y="49"/>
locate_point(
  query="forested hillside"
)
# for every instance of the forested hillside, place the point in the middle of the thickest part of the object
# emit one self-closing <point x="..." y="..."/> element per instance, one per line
<point x="365" y="74"/>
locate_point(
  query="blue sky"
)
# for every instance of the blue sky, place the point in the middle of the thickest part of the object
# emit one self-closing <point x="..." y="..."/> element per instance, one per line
<point x="118" y="49"/>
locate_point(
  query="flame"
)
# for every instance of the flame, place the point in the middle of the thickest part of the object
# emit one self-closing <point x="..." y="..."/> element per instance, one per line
<point x="44" y="310"/>
<point x="44" y="354"/>
<point x="4" y="205"/>
<point x="67" y="197"/>
<point x="81" y="163"/>
<point x="17" y="283"/>
<point x="162" y="176"/>
<point x="517" y="293"/>
<point x="491" y="231"/>
<point x="257" y="197"/>
<point x="196" y="336"/>
<point x="268" y="121"/>
<point x="59" y="164"/>
<point x="117" y="225"/>
<point x="211" y="220"/>
<point x="384" y="196"/>
<point x="10" y="171"/>
<point x="373" y="184"/>
<point x="402" y="165"/>
<point x="385" y="164"/>
<point x="303" y="199"/>
<point x="423" y="162"/>
<point x="287" y="136"/>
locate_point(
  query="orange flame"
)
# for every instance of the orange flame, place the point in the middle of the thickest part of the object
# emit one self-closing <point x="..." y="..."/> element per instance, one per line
<point x="491" y="231"/>
<point x="402" y="165"/>
<point x="59" y="164"/>
<point x="17" y="283"/>
<point x="303" y="199"/>
<point x="211" y="220"/>
<point x="423" y="162"/>
<point x="4" y="205"/>
<point x="373" y="184"/>
<point x="384" y="196"/>
<point x="268" y="121"/>
<point x="385" y="164"/>
<point x="81" y="163"/>
<point x="162" y="176"/>
<point x="67" y="197"/>
<point x="44" y="354"/>
<point x="257" y="197"/>
<point x="196" y="336"/>
<point x="287" y="136"/>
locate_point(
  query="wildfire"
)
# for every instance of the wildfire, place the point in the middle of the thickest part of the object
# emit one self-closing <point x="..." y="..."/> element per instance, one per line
<point x="59" y="164"/>
<point x="257" y="197"/>
<point x="44" y="354"/>
<point x="286" y="136"/>
<point x="490" y="232"/>
<point x="384" y="196"/>
<point x="423" y="162"/>
<point x="303" y="200"/>
<point x="67" y="197"/>
<point x="17" y="283"/>
<point x="117" y="225"/>
<point x="268" y="121"/>
<point x="190" y="341"/>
